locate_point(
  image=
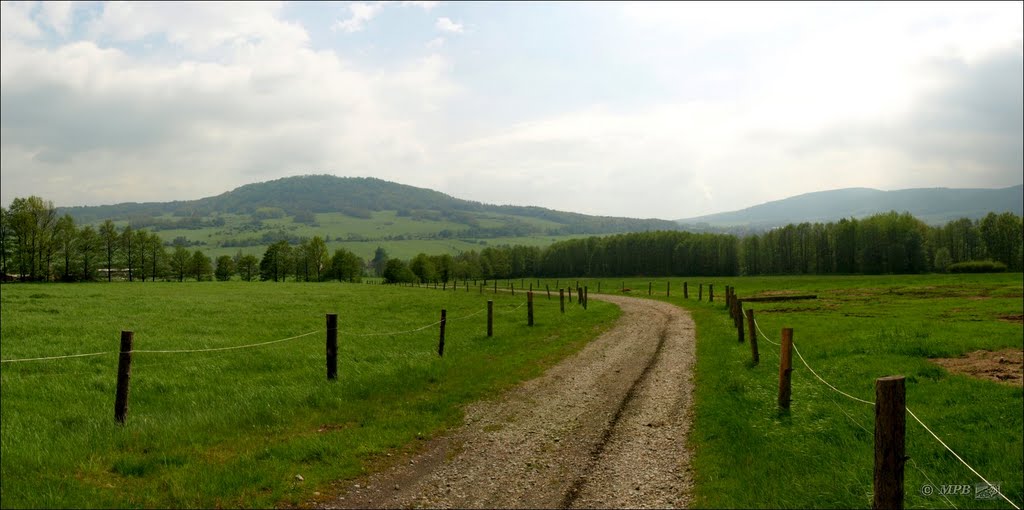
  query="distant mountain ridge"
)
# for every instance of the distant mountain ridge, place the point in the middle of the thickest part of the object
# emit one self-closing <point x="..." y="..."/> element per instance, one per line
<point x="359" y="197"/>
<point x="931" y="205"/>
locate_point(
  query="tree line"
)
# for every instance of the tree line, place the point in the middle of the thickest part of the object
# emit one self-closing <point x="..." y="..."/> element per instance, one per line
<point x="38" y="245"/>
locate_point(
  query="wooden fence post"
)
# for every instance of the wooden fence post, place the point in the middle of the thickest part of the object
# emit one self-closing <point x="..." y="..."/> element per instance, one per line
<point x="786" y="368"/>
<point x="529" y="308"/>
<point x="738" y="305"/>
<point x="490" y="318"/>
<point x="599" y="286"/>
<point x="711" y="293"/>
<point x="495" y="285"/>
<point x="668" y="288"/>
<point x="332" y="346"/>
<point x="650" y="286"/>
<point x="700" y="292"/>
<point x="440" y="343"/>
<point x="548" y="289"/>
<point x="686" y="291"/>
<point x="753" y="337"/>
<point x="890" y="427"/>
<point x="561" y="300"/>
<point x="124" y="373"/>
<point x="579" y="296"/>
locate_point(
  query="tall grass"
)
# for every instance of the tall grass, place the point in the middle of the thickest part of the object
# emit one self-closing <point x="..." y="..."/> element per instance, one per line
<point x="234" y="428"/>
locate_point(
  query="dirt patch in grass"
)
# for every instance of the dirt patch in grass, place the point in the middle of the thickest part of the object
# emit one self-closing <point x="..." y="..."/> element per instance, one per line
<point x="1005" y="366"/>
<point x="1015" y="319"/>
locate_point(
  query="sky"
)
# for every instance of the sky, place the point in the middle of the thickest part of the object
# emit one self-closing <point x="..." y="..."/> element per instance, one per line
<point x="663" y="110"/>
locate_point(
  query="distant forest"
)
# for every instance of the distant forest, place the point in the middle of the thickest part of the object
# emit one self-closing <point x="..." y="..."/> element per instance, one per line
<point x="37" y="244"/>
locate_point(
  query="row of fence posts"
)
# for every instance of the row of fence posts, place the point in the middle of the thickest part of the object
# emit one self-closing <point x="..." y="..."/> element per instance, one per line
<point x="124" y="364"/>
<point x="890" y="407"/>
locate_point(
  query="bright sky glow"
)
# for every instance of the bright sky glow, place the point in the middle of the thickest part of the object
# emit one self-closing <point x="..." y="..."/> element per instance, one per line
<point x="667" y="110"/>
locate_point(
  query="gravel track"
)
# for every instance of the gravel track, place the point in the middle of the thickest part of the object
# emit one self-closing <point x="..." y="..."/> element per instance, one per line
<point x="605" y="428"/>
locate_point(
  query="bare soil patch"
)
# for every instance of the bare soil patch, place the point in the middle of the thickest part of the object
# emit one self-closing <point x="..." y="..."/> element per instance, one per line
<point x="1017" y="319"/>
<point x="1005" y="366"/>
<point x="605" y="428"/>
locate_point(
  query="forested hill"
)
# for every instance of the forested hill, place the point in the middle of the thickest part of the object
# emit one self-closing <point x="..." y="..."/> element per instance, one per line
<point x="360" y="197"/>
<point x="931" y="205"/>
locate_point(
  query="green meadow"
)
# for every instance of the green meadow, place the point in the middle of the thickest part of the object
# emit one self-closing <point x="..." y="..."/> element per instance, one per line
<point x="750" y="454"/>
<point x="233" y="428"/>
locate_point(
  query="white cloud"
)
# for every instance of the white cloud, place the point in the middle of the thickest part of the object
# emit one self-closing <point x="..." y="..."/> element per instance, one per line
<point x="202" y="27"/>
<point x="57" y="15"/>
<point x="423" y="5"/>
<point x="445" y="24"/>
<point x="360" y="14"/>
<point x="16" y="21"/>
<point x="435" y="43"/>
<point x="108" y="124"/>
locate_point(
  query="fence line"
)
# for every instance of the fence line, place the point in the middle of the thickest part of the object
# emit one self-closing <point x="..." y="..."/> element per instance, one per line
<point x="943" y="443"/>
<point x="181" y="351"/>
<point x="16" y="360"/>
<point x="247" y="346"/>
<point x="926" y="477"/>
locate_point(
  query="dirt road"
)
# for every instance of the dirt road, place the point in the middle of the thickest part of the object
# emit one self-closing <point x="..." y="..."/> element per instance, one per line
<point x="605" y="428"/>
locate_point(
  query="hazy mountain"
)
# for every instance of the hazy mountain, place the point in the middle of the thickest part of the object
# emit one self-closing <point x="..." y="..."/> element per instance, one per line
<point x="931" y="205"/>
<point x="359" y="197"/>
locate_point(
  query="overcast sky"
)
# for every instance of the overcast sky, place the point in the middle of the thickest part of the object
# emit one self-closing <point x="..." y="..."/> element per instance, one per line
<point x="627" y="109"/>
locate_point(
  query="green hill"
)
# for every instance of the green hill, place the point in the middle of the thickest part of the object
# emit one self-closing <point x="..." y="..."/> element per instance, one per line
<point x="356" y="212"/>
<point x="932" y="205"/>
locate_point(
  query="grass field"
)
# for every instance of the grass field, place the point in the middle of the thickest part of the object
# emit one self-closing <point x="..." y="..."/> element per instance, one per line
<point x="749" y="454"/>
<point x="403" y="237"/>
<point x="233" y="428"/>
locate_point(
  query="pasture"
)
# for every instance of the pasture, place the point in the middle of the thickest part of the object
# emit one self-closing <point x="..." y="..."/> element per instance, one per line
<point x="234" y="428"/>
<point x="819" y="454"/>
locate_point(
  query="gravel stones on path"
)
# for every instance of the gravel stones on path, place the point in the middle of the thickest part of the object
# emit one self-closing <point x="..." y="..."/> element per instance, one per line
<point x="605" y="428"/>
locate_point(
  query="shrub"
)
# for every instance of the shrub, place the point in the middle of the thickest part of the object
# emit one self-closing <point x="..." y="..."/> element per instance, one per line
<point x="978" y="266"/>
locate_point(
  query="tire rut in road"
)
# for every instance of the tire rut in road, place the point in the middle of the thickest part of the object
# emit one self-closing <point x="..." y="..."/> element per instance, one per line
<point x="606" y="427"/>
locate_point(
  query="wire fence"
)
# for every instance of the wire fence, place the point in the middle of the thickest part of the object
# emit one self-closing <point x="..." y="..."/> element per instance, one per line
<point x="258" y="344"/>
<point x="909" y="411"/>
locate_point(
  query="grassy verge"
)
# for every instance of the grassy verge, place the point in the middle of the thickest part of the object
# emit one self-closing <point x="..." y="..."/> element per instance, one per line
<point x="233" y="428"/>
<point x="749" y="454"/>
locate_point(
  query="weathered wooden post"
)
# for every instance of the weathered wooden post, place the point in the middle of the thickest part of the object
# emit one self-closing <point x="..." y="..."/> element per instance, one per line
<point x="785" y="368"/>
<point x="711" y="293"/>
<point x="495" y="285"/>
<point x="332" y="346"/>
<point x="739" y="317"/>
<point x="513" y="287"/>
<point x="529" y="308"/>
<point x="547" y="287"/>
<point x="668" y="288"/>
<point x="490" y="318"/>
<point x="700" y="292"/>
<point x="753" y="337"/>
<point x="440" y="343"/>
<point x="124" y="373"/>
<point x="890" y="429"/>
<point x="579" y="296"/>
<point x="561" y="300"/>
<point x="686" y="292"/>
